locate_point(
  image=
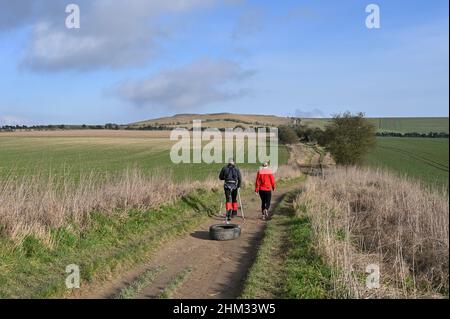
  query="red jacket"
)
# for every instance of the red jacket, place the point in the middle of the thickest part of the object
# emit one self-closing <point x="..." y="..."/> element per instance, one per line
<point x="264" y="180"/>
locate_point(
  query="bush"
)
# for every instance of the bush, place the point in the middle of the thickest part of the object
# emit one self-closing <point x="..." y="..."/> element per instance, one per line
<point x="349" y="138"/>
<point x="287" y="135"/>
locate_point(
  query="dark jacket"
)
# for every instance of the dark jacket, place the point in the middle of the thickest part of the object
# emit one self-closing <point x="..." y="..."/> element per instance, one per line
<point x="231" y="173"/>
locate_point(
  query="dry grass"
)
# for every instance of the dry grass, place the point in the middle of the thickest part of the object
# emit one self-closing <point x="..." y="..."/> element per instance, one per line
<point x="307" y="156"/>
<point x="363" y="217"/>
<point x="37" y="204"/>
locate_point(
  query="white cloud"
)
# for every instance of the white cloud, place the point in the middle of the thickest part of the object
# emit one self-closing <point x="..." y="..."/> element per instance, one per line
<point x="193" y="86"/>
<point x="113" y="34"/>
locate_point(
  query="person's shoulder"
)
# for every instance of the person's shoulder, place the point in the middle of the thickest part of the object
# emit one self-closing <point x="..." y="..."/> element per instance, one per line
<point x="265" y="171"/>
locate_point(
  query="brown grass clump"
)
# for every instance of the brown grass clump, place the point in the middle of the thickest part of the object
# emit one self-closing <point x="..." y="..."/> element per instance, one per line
<point x="363" y="217"/>
<point x="36" y="204"/>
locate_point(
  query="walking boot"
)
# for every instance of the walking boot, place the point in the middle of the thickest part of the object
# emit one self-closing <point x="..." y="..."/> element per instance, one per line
<point x="229" y="213"/>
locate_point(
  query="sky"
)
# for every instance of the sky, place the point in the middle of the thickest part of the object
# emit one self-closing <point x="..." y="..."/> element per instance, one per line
<point x="139" y="59"/>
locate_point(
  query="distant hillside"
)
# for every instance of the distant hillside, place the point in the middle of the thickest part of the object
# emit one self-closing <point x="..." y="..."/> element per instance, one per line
<point x="219" y="120"/>
<point x="223" y="120"/>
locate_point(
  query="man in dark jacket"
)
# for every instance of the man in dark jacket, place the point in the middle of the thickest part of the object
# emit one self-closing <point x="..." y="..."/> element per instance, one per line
<point x="231" y="176"/>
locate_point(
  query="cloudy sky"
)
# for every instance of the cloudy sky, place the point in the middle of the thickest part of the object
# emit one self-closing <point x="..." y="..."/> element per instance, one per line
<point x="137" y="59"/>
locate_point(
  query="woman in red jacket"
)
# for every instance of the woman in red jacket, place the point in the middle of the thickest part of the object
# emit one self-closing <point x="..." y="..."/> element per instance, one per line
<point x="265" y="184"/>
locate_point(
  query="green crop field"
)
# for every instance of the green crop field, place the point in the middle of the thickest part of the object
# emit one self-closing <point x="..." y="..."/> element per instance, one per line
<point x="425" y="159"/>
<point x="408" y="125"/>
<point x="73" y="155"/>
<point x="398" y="125"/>
<point x="32" y="264"/>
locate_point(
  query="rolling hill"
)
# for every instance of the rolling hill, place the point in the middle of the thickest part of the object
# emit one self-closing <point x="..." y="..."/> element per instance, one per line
<point x="223" y="120"/>
<point x="219" y="120"/>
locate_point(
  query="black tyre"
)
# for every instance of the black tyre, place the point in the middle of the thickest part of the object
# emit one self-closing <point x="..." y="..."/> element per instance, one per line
<point x="224" y="232"/>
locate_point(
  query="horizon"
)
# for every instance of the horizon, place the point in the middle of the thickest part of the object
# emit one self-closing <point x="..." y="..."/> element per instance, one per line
<point x="221" y="113"/>
<point x="308" y="60"/>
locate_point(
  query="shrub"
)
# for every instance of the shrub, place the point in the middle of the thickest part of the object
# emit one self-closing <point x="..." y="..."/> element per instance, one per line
<point x="349" y="138"/>
<point x="287" y="135"/>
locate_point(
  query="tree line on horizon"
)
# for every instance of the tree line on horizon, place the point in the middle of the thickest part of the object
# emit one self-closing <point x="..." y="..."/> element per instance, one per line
<point x="288" y="133"/>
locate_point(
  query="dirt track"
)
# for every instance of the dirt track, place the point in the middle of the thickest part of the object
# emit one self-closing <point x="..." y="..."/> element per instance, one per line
<point x="219" y="269"/>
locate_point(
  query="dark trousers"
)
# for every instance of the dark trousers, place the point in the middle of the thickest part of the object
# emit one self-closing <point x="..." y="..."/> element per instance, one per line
<point x="266" y="197"/>
<point x="231" y="192"/>
<point x="231" y="195"/>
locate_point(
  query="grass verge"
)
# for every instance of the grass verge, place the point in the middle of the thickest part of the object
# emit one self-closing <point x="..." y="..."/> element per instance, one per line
<point x="287" y="265"/>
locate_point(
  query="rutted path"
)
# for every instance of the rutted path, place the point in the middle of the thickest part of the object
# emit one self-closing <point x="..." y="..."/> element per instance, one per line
<point x="217" y="269"/>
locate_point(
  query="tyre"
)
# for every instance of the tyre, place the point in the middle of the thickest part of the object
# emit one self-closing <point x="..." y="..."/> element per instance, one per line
<point x="224" y="232"/>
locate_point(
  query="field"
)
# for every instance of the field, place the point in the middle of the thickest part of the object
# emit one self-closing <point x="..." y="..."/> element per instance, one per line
<point x="398" y="125"/>
<point x="54" y="212"/>
<point x="128" y="224"/>
<point x="408" y="125"/>
<point x="420" y="158"/>
<point x="75" y="153"/>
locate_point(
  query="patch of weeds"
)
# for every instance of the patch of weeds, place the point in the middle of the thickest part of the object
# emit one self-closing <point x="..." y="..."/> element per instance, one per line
<point x="175" y="283"/>
<point x="135" y="288"/>
<point x="63" y="237"/>
<point x="32" y="247"/>
<point x="341" y="234"/>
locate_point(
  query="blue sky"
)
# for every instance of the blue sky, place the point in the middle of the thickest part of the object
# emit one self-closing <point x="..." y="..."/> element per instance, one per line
<point x="139" y="59"/>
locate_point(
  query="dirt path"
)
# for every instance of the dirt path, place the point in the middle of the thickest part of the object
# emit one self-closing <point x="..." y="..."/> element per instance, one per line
<point x="218" y="269"/>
